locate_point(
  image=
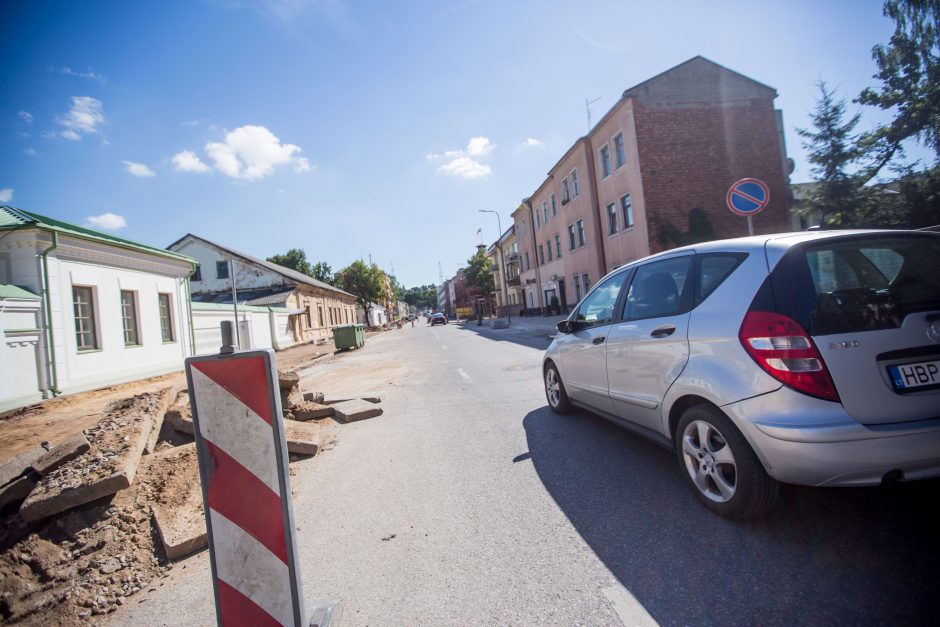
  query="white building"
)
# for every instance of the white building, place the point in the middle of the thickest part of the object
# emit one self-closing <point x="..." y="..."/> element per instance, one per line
<point x="83" y="309"/>
<point x="298" y="308"/>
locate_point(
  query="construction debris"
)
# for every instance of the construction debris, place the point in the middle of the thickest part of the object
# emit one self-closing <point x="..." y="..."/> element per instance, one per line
<point x="82" y="541"/>
<point x="351" y="411"/>
<point x="117" y="443"/>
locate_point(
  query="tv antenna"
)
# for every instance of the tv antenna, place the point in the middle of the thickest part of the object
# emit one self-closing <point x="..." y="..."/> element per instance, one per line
<point x="587" y="105"/>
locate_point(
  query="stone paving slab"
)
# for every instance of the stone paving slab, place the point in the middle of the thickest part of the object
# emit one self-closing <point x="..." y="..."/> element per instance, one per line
<point x="167" y="396"/>
<point x="358" y="409"/>
<point x="61" y="454"/>
<point x="117" y="444"/>
<point x="18" y="490"/>
<point x="303" y="438"/>
<point x="308" y="410"/>
<point x="372" y="397"/>
<point x="15" y="467"/>
<point x="181" y="522"/>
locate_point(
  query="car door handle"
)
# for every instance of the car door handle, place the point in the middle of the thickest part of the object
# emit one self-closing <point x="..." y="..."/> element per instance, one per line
<point x="599" y="340"/>
<point x="664" y="331"/>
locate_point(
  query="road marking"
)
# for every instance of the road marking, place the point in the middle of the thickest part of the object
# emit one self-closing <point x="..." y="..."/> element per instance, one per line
<point x="435" y="333"/>
<point x="631" y="612"/>
<point x="463" y="374"/>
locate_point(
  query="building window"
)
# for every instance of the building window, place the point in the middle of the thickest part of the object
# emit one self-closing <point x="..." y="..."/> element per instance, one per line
<point x="221" y="269"/>
<point x="86" y="338"/>
<point x="166" y="317"/>
<point x="621" y="152"/>
<point x="585" y="282"/>
<point x="538" y="220"/>
<point x="605" y="161"/>
<point x="611" y="219"/>
<point x="576" y="187"/>
<point x="541" y="255"/>
<point x="320" y="315"/>
<point x="626" y="205"/>
<point x="527" y="266"/>
<point x="570" y="237"/>
<point x="558" y="246"/>
<point x="577" y="288"/>
<point x="548" y="245"/>
<point x="554" y="206"/>
<point x="129" y="318"/>
<point x="581" y="241"/>
<point x="197" y="275"/>
<point x="565" y="193"/>
<point x="544" y="212"/>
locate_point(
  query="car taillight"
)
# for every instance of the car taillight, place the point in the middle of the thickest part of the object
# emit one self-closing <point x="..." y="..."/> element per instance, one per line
<point x="786" y="352"/>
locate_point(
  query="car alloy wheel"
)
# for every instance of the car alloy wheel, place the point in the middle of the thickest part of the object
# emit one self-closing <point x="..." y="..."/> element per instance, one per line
<point x="555" y="391"/>
<point x="709" y="461"/>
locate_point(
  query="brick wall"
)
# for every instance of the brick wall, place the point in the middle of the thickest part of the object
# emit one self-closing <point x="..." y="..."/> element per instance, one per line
<point x="690" y="155"/>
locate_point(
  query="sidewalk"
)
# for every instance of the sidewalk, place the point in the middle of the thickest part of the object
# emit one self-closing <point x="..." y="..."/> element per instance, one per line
<point x="533" y="324"/>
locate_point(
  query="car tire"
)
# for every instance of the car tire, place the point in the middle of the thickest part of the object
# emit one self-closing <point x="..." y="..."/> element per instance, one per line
<point x="555" y="390"/>
<point x="720" y="466"/>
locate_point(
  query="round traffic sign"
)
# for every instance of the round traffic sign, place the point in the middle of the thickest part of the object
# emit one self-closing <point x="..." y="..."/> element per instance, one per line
<point x="748" y="197"/>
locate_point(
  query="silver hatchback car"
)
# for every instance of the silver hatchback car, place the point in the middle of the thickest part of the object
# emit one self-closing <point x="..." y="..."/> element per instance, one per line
<point x="806" y="358"/>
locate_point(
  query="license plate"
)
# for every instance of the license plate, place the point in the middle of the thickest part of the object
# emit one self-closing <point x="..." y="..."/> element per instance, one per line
<point x="912" y="376"/>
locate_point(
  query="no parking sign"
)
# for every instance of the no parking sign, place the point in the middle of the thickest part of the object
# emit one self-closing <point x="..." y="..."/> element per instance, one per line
<point x="748" y="197"/>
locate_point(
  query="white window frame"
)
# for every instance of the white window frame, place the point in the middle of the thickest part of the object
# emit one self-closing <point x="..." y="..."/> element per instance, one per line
<point x="135" y="318"/>
<point x="604" y="153"/>
<point x="92" y="317"/>
<point x="169" y="316"/>
<point x="620" y="151"/>
<point x="565" y="191"/>
<point x="582" y="237"/>
<point x="627" y="210"/>
<point x="612" y="228"/>
<point x="575" y="184"/>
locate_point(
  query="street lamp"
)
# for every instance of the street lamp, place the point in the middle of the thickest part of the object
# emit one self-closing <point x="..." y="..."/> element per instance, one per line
<point x="502" y="261"/>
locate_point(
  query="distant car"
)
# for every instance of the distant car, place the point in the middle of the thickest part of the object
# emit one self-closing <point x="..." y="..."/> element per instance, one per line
<point x="438" y="318"/>
<point x="805" y="358"/>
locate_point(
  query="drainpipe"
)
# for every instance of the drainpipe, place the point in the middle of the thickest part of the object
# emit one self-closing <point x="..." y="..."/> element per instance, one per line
<point x="50" y="335"/>
<point x="596" y="206"/>
<point x="189" y="303"/>
<point x="535" y="248"/>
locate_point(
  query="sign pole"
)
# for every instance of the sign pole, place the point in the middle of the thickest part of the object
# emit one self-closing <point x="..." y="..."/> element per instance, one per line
<point x="750" y="225"/>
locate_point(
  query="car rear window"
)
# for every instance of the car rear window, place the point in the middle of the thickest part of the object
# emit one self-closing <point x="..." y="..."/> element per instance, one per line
<point x="859" y="283"/>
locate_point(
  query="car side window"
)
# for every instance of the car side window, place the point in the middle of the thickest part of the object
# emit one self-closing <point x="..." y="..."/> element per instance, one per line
<point x="714" y="268"/>
<point x="598" y="307"/>
<point x="657" y="289"/>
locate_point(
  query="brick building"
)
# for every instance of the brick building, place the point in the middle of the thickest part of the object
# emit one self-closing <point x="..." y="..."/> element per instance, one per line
<point x="666" y="152"/>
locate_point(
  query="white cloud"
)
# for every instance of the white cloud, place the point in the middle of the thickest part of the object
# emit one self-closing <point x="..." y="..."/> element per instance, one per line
<point x="29" y="152"/>
<point x="138" y="169"/>
<point x="106" y="221"/>
<point x="26" y="116"/>
<point x="6" y="194"/>
<point x="465" y="167"/>
<point x="531" y="141"/>
<point x="479" y="146"/>
<point x="85" y="116"/>
<point x="252" y="152"/>
<point x="188" y="161"/>
<point x="70" y="72"/>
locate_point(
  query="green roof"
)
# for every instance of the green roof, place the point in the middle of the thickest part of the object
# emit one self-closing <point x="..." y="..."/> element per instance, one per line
<point x="12" y="291"/>
<point x="12" y="218"/>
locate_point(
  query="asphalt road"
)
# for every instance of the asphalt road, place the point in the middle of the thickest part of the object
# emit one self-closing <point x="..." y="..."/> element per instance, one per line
<point x="469" y="502"/>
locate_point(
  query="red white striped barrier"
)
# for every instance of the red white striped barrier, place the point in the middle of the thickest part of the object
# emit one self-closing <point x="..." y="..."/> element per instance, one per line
<point x="246" y="488"/>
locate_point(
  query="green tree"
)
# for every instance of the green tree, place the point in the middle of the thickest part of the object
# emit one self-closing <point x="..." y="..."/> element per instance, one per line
<point x="834" y="151"/>
<point x="422" y="297"/>
<point x="909" y="71"/>
<point x="322" y="271"/>
<point x="295" y="259"/>
<point x="366" y="283"/>
<point x="478" y="272"/>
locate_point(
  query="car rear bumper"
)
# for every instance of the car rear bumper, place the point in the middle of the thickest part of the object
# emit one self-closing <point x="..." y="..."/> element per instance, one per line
<point x="809" y="441"/>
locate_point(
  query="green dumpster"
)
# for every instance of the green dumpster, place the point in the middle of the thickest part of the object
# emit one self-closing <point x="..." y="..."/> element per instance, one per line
<point x="349" y="336"/>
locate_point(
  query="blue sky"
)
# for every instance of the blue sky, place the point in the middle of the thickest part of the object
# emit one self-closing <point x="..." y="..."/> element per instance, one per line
<point x="357" y="128"/>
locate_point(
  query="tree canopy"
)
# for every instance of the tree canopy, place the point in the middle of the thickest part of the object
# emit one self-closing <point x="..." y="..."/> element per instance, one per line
<point x="478" y="271"/>
<point x="296" y="259"/>
<point x="424" y="296"/>
<point x="365" y="282"/>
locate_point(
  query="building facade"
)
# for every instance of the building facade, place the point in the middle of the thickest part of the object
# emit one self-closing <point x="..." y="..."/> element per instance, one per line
<point x="107" y="310"/>
<point x="652" y="174"/>
<point x="309" y="308"/>
<point x="504" y="266"/>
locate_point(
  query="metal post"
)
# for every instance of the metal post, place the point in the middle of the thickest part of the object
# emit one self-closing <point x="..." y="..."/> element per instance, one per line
<point x="238" y="339"/>
<point x="750" y="226"/>
<point x="227" y="346"/>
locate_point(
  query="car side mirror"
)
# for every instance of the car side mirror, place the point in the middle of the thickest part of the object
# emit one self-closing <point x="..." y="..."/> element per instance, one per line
<point x="567" y="326"/>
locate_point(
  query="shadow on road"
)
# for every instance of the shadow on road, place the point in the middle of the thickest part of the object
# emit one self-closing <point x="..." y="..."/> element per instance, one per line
<point x="531" y="337"/>
<point x="822" y="556"/>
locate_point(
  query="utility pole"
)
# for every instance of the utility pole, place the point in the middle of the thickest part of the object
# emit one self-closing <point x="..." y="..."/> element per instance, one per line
<point x="587" y="105"/>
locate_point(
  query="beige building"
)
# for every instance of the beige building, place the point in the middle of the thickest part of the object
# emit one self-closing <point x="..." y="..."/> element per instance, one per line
<point x="504" y="265"/>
